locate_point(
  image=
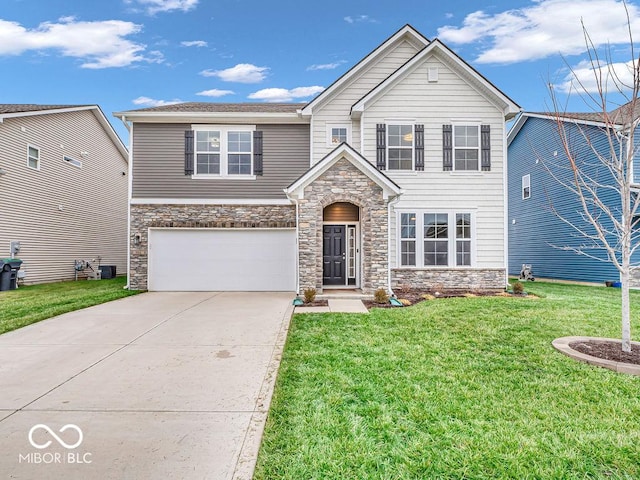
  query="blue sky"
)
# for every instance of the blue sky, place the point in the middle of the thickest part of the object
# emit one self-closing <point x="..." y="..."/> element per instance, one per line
<point x="127" y="54"/>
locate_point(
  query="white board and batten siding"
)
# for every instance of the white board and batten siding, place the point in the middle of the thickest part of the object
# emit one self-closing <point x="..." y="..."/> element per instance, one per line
<point x="60" y="212"/>
<point x="451" y="99"/>
<point x="183" y="259"/>
<point x="338" y="109"/>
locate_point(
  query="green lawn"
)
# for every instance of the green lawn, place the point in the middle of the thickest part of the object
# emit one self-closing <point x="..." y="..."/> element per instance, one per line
<point x="462" y="388"/>
<point x="31" y="304"/>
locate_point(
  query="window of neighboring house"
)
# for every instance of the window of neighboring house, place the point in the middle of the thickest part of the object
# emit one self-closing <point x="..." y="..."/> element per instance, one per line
<point x="436" y="239"/>
<point x="400" y="147"/>
<point x="223" y="151"/>
<point x="337" y="134"/>
<point x="466" y="147"/>
<point x="33" y="157"/>
<point x="526" y="186"/>
<point x="447" y="239"/>
<point x="408" y="239"/>
<point x="72" y="161"/>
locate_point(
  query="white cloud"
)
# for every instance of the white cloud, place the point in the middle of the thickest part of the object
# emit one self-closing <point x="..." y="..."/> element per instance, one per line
<point x="152" y="102"/>
<point x="360" y="19"/>
<point x="241" y="73"/>
<point x="99" y="44"/>
<point x="584" y="78"/>
<point x="284" y="95"/>
<point x="326" y="66"/>
<point x="154" y="6"/>
<point x="546" y="28"/>
<point x="215" y="93"/>
<point x="194" y="43"/>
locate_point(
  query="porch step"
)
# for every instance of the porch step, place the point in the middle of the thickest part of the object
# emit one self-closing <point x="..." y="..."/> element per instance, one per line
<point x="343" y="295"/>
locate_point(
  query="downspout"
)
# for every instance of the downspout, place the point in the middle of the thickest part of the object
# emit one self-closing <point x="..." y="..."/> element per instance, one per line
<point x="129" y="128"/>
<point x="295" y="202"/>
<point x="505" y="203"/>
<point x="389" y="205"/>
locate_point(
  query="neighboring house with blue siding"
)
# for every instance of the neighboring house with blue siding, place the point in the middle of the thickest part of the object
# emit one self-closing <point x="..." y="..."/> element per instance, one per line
<point x="538" y="202"/>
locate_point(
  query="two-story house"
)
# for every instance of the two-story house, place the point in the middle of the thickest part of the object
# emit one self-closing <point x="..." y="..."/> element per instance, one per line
<point x="393" y="175"/>
<point x="63" y="190"/>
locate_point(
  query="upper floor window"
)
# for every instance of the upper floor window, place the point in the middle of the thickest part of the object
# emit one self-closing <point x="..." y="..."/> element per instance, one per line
<point x="466" y="147"/>
<point x="337" y="134"/>
<point x="33" y="157"/>
<point x="399" y="146"/>
<point x="223" y="151"/>
<point x="526" y="186"/>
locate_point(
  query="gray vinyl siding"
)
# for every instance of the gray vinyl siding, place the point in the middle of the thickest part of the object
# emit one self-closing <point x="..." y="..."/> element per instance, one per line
<point x="61" y="213"/>
<point x="158" y="164"/>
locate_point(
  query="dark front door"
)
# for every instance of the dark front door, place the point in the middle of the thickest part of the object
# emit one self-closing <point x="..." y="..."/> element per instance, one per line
<point x="333" y="255"/>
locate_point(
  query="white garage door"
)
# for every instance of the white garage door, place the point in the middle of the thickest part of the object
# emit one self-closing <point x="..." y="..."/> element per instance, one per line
<point x="222" y="260"/>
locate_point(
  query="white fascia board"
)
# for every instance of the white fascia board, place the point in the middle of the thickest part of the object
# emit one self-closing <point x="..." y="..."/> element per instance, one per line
<point x="407" y="30"/>
<point x="212" y="117"/>
<point x="47" y="112"/>
<point x="209" y="201"/>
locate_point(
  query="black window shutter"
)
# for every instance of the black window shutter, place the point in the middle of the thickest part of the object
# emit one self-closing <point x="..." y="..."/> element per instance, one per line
<point x="419" y="146"/>
<point x="188" y="152"/>
<point x="257" y="153"/>
<point x="381" y="146"/>
<point x="447" y="148"/>
<point x="485" y="150"/>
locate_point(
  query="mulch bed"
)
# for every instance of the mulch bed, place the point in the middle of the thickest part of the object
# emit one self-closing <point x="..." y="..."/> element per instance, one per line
<point x="316" y="303"/>
<point x="417" y="296"/>
<point x="608" y="350"/>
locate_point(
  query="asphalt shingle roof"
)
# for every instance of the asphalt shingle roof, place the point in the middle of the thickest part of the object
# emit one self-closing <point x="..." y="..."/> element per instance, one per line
<point x="200" y="107"/>
<point x="28" y="107"/>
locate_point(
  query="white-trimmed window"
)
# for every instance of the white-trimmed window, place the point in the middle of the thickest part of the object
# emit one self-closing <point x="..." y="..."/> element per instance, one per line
<point x="223" y="151"/>
<point x="447" y="239"/>
<point x="337" y="134"/>
<point x="33" y="157"/>
<point x="72" y="161"/>
<point x="466" y="147"/>
<point x="408" y="239"/>
<point x="526" y="186"/>
<point x="400" y="147"/>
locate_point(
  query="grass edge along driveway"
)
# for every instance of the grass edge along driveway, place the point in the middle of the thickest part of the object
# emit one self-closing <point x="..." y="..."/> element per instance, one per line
<point x="30" y="304"/>
<point x="461" y="388"/>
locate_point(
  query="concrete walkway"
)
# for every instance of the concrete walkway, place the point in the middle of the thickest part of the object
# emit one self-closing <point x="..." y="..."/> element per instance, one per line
<point x="159" y="385"/>
<point x="337" y="305"/>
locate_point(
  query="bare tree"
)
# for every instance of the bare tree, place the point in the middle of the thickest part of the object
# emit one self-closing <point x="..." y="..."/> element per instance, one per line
<point x="595" y="173"/>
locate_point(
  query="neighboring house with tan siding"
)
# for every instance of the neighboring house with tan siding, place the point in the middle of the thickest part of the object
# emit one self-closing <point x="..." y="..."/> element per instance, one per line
<point x="394" y="175"/>
<point x="63" y="189"/>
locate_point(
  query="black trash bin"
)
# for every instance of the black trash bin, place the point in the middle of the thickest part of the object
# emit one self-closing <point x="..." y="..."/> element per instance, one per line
<point x="9" y="273"/>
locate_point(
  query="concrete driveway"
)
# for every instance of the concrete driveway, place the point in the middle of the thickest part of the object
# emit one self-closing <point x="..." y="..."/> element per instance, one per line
<point x="159" y="385"/>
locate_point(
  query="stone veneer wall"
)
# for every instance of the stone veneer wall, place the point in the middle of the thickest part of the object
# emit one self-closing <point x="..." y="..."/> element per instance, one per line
<point x="343" y="182"/>
<point x="146" y="216"/>
<point x="450" y="279"/>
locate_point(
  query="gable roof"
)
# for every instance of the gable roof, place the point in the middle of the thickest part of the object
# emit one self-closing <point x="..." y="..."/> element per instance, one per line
<point x="406" y="32"/>
<point x="509" y="107"/>
<point x="15" y="110"/>
<point x="344" y="150"/>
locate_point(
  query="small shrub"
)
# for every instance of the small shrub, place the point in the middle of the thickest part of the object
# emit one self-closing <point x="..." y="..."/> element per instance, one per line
<point x="518" y="288"/>
<point x="403" y="288"/>
<point x="404" y="302"/>
<point x="380" y="296"/>
<point x="309" y="295"/>
<point x="428" y="296"/>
